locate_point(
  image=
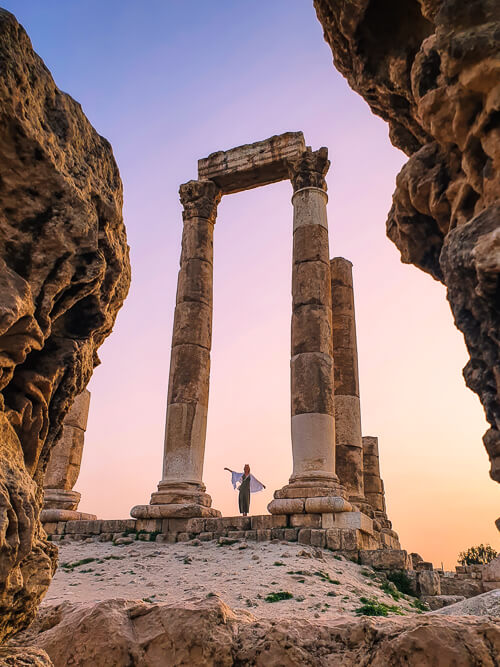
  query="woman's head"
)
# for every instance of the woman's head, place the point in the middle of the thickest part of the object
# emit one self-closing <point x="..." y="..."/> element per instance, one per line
<point x="246" y="469"/>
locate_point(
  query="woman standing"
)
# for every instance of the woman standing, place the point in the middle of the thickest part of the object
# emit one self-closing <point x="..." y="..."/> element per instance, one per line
<point x="247" y="484"/>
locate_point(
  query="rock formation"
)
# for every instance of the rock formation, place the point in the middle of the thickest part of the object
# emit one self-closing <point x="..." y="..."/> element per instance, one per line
<point x="430" y="68"/>
<point x="210" y="633"/>
<point x="64" y="273"/>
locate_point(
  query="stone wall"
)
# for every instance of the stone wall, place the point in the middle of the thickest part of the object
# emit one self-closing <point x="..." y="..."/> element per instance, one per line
<point x="64" y="273"/>
<point x="430" y="69"/>
<point x="319" y="530"/>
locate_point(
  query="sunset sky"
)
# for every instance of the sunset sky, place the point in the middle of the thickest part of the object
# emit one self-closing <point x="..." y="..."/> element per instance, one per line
<point x="170" y="81"/>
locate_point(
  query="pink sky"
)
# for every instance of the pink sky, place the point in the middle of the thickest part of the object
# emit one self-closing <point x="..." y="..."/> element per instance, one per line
<point x="170" y="85"/>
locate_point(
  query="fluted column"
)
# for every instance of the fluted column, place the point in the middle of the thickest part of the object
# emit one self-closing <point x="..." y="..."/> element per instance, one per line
<point x="60" y="500"/>
<point x="181" y="491"/>
<point x="349" y="447"/>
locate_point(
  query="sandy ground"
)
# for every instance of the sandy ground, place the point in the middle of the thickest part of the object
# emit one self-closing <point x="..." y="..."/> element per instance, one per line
<point x="241" y="574"/>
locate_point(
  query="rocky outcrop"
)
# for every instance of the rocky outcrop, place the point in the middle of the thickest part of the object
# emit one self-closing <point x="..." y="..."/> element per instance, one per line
<point x="430" y="68"/>
<point x="64" y="273"/>
<point x="487" y="604"/>
<point x="210" y="633"/>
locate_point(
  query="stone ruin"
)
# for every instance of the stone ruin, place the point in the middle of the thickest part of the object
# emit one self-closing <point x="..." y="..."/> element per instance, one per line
<point x="335" y="484"/>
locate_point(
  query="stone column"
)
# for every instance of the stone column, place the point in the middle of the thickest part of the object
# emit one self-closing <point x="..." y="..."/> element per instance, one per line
<point x="60" y="501"/>
<point x="373" y="484"/>
<point x="349" y="447"/>
<point x="312" y="381"/>
<point x="181" y="491"/>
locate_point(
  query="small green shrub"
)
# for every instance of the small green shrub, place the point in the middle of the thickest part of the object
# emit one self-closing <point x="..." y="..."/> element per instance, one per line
<point x="278" y="596"/>
<point x="278" y="563"/>
<point x="480" y="555"/>
<point x="372" y="607"/>
<point x="389" y="590"/>
<point x="401" y="580"/>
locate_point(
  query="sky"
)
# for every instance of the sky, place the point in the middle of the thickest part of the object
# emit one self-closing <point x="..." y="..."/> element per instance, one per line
<point x="170" y="81"/>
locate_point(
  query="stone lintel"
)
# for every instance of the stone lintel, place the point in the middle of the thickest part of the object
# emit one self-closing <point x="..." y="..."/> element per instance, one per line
<point x="252" y="165"/>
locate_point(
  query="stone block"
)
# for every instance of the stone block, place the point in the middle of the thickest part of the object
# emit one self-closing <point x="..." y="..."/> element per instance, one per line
<point x="290" y="534"/>
<point x="105" y="537"/>
<point x="237" y="522"/>
<point x="334" y="539"/>
<point x="193" y="525"/>
<point x="167" y="538"/>
<point x="487" y="585"/>
<point x="304" y="536"/>
<point x="236" y="534"/>
<point x="83" y="527"/>
<point x="79" y="411"/>
<point x="327" y="504"/>
<point x="312" y="383"/>
<point x="213" y="525"/>
<point x="491" y="571"/>
<point x="310" y="244"/>
<point x="428" y="583"/>
<point x="303" y="492"/>
<point x="252" y="165"/>
<point x="277" y="533"/>
<point x="263" y="535"/>
<point x="197" y="240"/>
<point x="117" y="525"/>
<point x="250" y="535"/>
<point x="327" y="520"/>
<point x="311" y="284"/>
<point x="192" y="324"/>
<point x="354" y="520"/>
<point x="318" y="538"/>
<point x="61" y="527"/>
<point x="189" y="377"/>
<point x="351" y="539"/>
<point x="283" y="506"/>
<point x="206" y="536"/>
<point x="305" y="520"/>
<point x="183" y="537"/>
<point x="149" y="525"/>
<point x="423" y="565"/>
<point x="50" y="528"/>
<point x="312" y="329"/>
<point x="268" y="521"/>
<point x="440" y="601"/>
<point x="386" y="559"/>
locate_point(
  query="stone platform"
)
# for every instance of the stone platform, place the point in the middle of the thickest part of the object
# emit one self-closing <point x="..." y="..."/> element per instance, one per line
<point x="320" y="530"/>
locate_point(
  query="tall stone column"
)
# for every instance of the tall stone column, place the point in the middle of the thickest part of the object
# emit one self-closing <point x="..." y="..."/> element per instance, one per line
<point x="373" y="484"/>
<point x="60" y="501"/>
<point x="349" y="447"/>
<point x="312" y="380"/>
<point x="181" y="491"/>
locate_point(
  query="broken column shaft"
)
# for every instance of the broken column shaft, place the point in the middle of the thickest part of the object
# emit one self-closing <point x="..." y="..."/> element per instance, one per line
<point x="349" y="447"/>
<point x="60" y="500"/>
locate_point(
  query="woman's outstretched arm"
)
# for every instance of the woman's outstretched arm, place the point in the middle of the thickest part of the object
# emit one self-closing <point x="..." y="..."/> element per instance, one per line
<point x="229" y="469"/>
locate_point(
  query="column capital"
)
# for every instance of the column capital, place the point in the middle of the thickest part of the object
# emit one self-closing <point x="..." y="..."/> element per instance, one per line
<point x="200" y="200"/>
<point x="309" y="169"/>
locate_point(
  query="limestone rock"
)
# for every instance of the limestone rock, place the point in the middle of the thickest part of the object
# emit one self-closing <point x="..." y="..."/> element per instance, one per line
<point x="64" y="273"/>
<point x="24" y="657"/>
<point x="209" y="633"/>
<point x="431" y="70"/>
<point x="486" y="604"/>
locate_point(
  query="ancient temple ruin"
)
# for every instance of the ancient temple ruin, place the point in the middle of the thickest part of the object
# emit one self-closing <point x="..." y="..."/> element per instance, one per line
<point x="335" y="482"/>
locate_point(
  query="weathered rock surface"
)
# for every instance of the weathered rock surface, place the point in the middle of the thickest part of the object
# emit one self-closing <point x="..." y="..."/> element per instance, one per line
<point x="64" y="273"/>
<point x="210" y="633"/>
<point x="430" y="68"/>
<point x="24" y="657"/>
<point x="487" y="604"/>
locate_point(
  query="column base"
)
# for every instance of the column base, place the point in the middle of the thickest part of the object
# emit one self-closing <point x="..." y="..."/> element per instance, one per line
<point x="61" y="499"/>
<point x="181" y="500"/>
<point x="310" y="493"/>
<point x="53" y="515"/>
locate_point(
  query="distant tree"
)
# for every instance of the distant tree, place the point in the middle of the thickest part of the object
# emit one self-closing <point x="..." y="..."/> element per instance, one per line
<point x="480" y="555"/>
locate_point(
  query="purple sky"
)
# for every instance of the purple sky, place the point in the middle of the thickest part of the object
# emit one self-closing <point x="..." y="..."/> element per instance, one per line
<point x="170" y="81"/>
